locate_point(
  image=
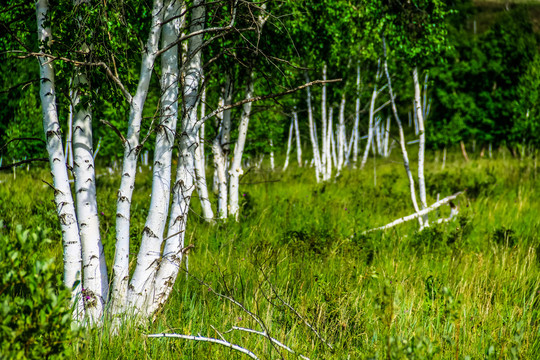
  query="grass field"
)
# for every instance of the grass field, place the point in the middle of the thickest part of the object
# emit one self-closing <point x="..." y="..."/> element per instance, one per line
<point x="467" y="289"/>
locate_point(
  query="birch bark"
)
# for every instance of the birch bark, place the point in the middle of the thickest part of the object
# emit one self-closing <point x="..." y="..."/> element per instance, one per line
<point x="422" y="144"/>
<point x="62" y="192"/>
<point x="272" y="160"/>
<point x="402" y="142"/>
<point x="328" y="139"/>
<point x="236" y="166"/>
<point x="342" y="148"/>
<point x="200" y="165"/>
<point x="169" y="264"/>
<point x="313" y="135"/>
<point x="95" y="280"/>
<point x="221" y="150"/>
<point x="220" y="174"/>
<point x="325" y="157"/>
<point x="371" y="119"/>
<point x="289" y="143"/>
<point x="356" y="133"/>
<point x="298" y="141"/>
<point x="129" y="169"/>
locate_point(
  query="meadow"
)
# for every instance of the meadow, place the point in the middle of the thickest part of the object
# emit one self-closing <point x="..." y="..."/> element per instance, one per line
<point x="297" y="261"/>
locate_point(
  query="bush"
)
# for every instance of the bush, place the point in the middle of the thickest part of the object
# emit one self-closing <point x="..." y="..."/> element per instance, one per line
<point x="35" y="314"/>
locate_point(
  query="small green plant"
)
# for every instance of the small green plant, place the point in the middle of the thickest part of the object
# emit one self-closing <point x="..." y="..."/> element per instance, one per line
<point x="504" y="236"/>
<point x="35" y="315"/>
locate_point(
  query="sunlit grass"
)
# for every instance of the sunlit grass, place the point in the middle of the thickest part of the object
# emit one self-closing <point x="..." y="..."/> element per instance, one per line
<point x="466" y="289"/>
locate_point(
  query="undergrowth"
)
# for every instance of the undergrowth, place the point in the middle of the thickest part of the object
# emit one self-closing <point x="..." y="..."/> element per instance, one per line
<point x="466" y="289"/>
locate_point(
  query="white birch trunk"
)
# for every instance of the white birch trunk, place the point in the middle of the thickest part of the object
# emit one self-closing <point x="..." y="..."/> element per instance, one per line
<point x="226" y="127"/>
<point x="220" y="176"/>
<point x="200" y="166"/>
<point x="402" y="142"/>
<point x="236" y="166"/>
<point x="371" y="126"/>
<point x="289" y="143"/>
<point x="127" y="184"/>
<point x="422" y="144"/>
<point x="333" y="146"/>
<point x="387" y="138"/>
<point x="221" y="150"/>
<point x="298" y="141"/>
<point x="328" y="138"/>
<point x="325" y="155"/>
<point x="272" y="162"/>
<point x="62" y="195"/>
<point x="444" y="158"/>
<point x="342" y="141"/>
<point x="69" y="145"/>
<point x="95" y="279"/>
<point x="218" y="125"/>
<point x="313" y="135"/>
<point x="155" y="296"/>
<point x="356" y="132"/>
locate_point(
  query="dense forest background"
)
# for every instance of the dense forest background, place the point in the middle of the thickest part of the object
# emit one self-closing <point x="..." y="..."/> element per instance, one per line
<point x="483" y="89"/>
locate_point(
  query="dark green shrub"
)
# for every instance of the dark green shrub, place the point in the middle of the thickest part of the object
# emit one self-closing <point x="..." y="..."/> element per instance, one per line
<point x="35" y="314"/>
<point x="504" y="236"/>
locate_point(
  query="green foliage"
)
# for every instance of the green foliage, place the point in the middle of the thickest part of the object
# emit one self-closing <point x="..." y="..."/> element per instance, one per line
<point x="415" y="30"/>
<point x="35" y="316"/>
<point x="449" y="289"/>
<point x="486" y="89"/>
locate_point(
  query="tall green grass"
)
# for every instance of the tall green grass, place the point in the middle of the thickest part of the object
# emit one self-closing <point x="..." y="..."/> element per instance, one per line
<point x="467" y="289"/>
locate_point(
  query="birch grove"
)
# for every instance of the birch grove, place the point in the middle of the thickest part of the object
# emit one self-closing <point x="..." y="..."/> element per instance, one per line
<point x="176" y="75"/>
<point x="85" y="270"/>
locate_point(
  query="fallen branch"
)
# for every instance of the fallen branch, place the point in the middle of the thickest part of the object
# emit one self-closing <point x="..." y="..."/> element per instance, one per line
<point x="207" y="339"/>
<point x="418" y="214"/>
<point x="277" y="342"/>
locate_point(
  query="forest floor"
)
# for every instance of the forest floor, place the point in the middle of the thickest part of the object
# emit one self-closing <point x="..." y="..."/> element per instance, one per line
<point x="466" y="289"/>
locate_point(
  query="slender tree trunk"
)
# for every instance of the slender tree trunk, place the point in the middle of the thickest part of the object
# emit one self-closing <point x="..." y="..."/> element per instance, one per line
<point x="272" y="162"/>
<point x="221" y="150"/>
<point x="169" y="264"/>
<point x="328" y="141"/>
<point x="371" y="120"/>
<point x="162" y="164"/>
<point x="387" y="138"/>
<point x="402" y="143"/>
<point x="236" y="167"/>
<point x="422" y="144"/>
<point x="464" y="151"/>
<point x="356" y="132"/>
<point x="289" y="143"/>
<point x="63" y="199"/>
<point x="333" y="145"/>
<point x="341" y="135"/>
<point x="218" y="126"/>
<point x="220" y="174"/>
<point x="127" y="184"/>
<point x="325" y="155"/>
<point x="313" y="135"/>
<point x="444" y="158"/>
<point x="298" y="140"/>
<point x="69" y="138"/>
<point x="200" y="166"/>
<point x="95" y="279"/>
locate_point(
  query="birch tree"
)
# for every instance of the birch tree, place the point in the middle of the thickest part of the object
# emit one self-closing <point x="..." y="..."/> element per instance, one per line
<point x="156" y="270"/>
<point x="413" y="37"/>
